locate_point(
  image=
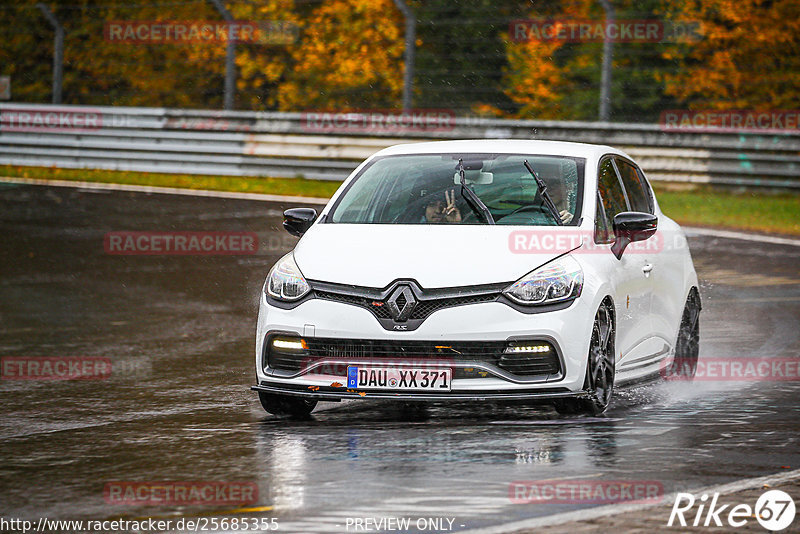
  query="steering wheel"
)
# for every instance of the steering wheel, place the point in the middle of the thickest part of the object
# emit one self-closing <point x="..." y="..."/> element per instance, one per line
<point x="527" y="207"/>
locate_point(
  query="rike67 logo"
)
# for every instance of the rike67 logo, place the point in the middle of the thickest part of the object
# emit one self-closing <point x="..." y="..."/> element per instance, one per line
<point x="774" y="510"/>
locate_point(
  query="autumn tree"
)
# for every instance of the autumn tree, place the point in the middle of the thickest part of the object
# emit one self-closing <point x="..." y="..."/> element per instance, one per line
<point x="559" y="79"/>
<point x="535" y="81"/>
<point x="350" y="56"/>
<point x="749" y="57"/>
<point x="100" y="72"/>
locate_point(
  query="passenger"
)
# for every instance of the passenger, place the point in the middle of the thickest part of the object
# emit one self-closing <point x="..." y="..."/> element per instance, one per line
<point x="443" y="211"/>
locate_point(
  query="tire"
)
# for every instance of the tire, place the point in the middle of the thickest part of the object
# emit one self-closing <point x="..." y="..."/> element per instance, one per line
<point x="599" y="382"/>
<point x="286" y="405"/>
<point x="687" y="345"/>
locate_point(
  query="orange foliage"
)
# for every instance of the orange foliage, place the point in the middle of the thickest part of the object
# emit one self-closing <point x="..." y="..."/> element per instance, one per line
<point x="534" y="80"/>
<point x="97" y="71"/>
<point x="350" y="56"/>
<point x="748" y="57"/>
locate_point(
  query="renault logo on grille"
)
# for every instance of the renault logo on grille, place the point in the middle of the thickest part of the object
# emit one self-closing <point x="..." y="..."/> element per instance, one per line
<point x="401" y="303"/>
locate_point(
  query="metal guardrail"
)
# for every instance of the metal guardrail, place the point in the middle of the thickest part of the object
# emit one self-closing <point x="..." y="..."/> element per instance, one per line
<point x="290" y="144"/>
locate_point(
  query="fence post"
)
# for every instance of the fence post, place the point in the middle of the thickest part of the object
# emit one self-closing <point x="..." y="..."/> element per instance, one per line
<point x="608" y="56"/>
<point x="58" y="51"/>
<point x="230" y="57"/>
<point x="410" y="46"/>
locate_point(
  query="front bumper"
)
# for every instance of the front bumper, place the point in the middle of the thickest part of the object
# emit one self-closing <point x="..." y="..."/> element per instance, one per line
<point x="327" y="393"/>
<point x="568" y="329"/>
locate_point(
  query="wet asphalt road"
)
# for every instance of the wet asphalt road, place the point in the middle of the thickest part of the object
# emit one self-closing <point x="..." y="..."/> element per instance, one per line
<point x="177" y="407"/>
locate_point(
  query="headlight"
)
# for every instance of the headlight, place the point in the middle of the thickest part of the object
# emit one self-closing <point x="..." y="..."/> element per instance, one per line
<point x="285" y="281"/>
<point x="558" y="281"/>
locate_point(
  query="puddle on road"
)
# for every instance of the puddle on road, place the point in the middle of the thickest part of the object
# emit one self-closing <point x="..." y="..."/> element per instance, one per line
<point x="556" y="422"/>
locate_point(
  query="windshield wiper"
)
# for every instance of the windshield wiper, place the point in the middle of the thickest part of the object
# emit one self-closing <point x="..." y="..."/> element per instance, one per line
<point x="545" y="196"/>
<point x="470" y="196"/>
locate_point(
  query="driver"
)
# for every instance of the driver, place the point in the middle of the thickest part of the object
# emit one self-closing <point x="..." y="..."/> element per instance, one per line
<point x="443" y="211"/>
<point x="558" y="194"/>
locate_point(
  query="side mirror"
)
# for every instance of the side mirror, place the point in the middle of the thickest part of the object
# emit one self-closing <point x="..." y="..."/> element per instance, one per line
<point x="297" y="220"/>
<point x="630" y="226"/>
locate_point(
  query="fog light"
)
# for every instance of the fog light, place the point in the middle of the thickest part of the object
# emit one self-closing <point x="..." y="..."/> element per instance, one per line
<point x="289" y="344"/>
<point x="516" y="349"/>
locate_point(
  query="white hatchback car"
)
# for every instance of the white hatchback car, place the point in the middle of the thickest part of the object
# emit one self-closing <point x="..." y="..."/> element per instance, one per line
<point x="478" y="270"/>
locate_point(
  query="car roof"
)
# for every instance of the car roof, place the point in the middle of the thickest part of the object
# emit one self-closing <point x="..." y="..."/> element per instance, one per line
<point x="502" y="146"/>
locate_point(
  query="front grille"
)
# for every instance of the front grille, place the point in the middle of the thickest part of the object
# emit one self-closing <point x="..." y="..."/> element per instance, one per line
<point x="485" y="352"/>
<point x="426" y="307"/>
<point x="423" y="309"/>
<point x="377" y="307"/>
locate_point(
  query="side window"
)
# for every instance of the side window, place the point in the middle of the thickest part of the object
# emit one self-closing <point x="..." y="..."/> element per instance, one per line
<point x="602" y="226"/>
<point x="648" y="190"/>
<point x="637" y="196"/>
<point x="610" y="190"/>
<point x="612" y="199"/>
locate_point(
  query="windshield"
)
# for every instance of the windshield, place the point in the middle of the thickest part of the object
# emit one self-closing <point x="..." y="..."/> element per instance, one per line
<point x="426" y="189"/>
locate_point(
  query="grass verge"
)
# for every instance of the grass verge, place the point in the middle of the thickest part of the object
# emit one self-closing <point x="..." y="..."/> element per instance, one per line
<point x="759" y="212"/>
<point x="243" y="184"/>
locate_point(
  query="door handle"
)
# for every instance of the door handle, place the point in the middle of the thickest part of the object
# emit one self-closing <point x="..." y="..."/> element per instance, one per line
<point x="647" y="268"/>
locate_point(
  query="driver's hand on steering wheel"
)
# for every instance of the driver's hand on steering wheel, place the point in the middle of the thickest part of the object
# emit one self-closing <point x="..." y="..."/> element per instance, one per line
<point x="566" y="216"/>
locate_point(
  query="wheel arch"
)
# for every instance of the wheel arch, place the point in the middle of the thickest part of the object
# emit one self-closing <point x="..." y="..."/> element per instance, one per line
<point x="692" y="293"/>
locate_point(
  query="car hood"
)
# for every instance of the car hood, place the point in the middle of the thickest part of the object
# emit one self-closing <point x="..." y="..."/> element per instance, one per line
<point x="436" y="256"/>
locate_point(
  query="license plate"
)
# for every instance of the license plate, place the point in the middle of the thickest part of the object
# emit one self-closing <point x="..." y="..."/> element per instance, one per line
<point x="398" y="378"/>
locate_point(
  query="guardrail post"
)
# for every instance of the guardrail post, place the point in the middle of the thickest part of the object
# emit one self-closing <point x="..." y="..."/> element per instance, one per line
<point x="230" y="57"/>
<point x="410" y="46"/>
<point x="58" y="51"/>
<point x="608" y="56"/>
